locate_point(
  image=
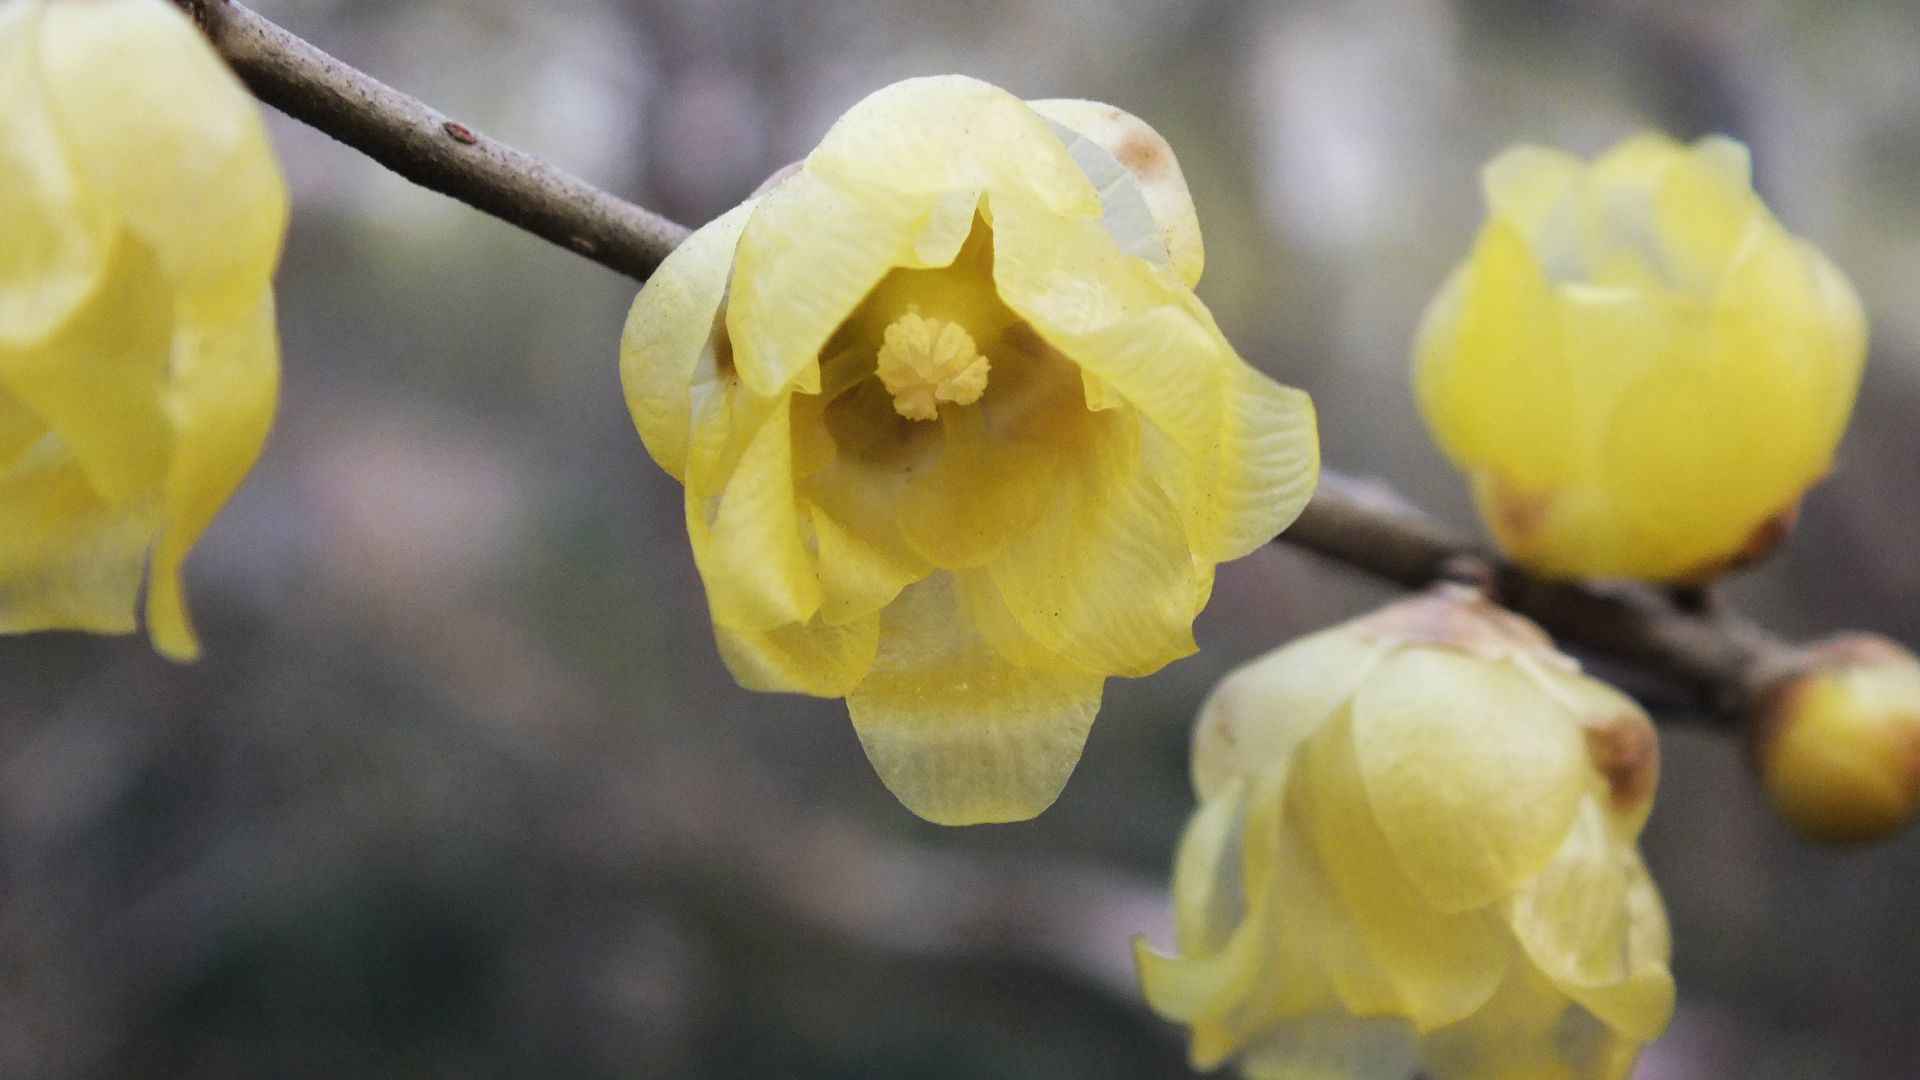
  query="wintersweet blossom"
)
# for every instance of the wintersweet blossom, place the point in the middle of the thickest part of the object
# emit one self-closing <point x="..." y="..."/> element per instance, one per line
<point x="1836" y="738"/>
<point x="141" y="215"/>
<point x="957" y="439"/>
<point x="1638" y="367"/>
<point x="1415" y="850"/>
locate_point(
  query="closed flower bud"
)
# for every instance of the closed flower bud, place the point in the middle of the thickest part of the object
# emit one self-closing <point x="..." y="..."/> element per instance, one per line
<point x="1639" y="369"/>
<point x="1416" y="851"/>
<point x="1837" y="740"/>
<point x="958" y="441"/>
<point x="141" y="215"/>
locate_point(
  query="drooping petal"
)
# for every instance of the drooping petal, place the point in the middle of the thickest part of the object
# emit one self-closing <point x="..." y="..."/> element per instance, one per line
<point x="98" y="379"/>
<point x="68" y="558"/>
<point x="1135" y="147"/>
<point x="1334" y="1046"/>
<point x="951" y="133"/>
<point x="818" y="658"/>
<point x="165" y="135"/>
<point x="1442" y="964"/>
<point x="672" y="329"/>
<point x="1209" y="896"/>
<point x="226" y="378"/>
<point x="1529" y="1031"/>
<point x="958" y="732"/>
<point x="1472" y="801"/>
<point x="743" y="513"/>
<point x="57" y="239"/>
<point x="1128" y="608"/>
<point x="1591" y="921"/>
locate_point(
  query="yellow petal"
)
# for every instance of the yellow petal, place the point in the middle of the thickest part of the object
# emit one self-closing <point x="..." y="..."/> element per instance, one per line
<point x="98" y="379"/>
<point x="69" y="560"/>
<point x="226" y="378"/>
<point x="1442" y="965"/>
<point x="165" y="134"/>
<point x="958" y="732"/>
<point x="1334" y="1047"/>
<point x="811" y="251"/>
<point x="1261" y="712"/>
<point x="1592" y="923"/>
<point x="951" y="133"/>
<point x="56" y="238"/>
<point x="743" y="516"/>
<point x="1250" y="445"/>
<point x="1132" y="144"/>
<point x="1526" y="185"/>
<point x="815" y="658"/>
<point x="1473" y="800"/>
<point x="672" y="330"/>
<point x="857" y="576"/>
<point x="1528" y="1031"/>
<point x="1207" y="888"/>
<point x="1104" y="578"/>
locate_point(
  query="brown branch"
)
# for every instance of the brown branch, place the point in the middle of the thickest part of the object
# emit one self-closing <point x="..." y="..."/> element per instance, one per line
<point x="1717" y="658"/>
<point x="432" y="149"/>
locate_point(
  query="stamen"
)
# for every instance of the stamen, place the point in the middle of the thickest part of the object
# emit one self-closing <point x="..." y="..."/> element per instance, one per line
<point x="926" y="361"/>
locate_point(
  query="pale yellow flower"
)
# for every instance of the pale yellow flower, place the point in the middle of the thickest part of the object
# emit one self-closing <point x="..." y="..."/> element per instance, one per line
<point x="1415" y="848"/>
<point x="1837" y="740"/>
<point x="141" y="214"/>
<point x="958" y="440"/>
<point x="1640" y="370"/>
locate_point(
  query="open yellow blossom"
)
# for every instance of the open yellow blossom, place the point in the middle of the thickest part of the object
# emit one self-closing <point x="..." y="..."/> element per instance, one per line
<point x="141" y="215"/>
<point x="1639" y="369"/>
<point x="958" y="440"/>
<point x="1837" y="740"/>
<point x="1415" y="849"/>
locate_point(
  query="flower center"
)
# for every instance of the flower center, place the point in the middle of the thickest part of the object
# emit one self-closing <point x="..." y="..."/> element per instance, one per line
<point x="926" y="361"/>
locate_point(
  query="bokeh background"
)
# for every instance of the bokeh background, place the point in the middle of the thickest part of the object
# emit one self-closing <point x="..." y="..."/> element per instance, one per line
<point x="461" y="788"/>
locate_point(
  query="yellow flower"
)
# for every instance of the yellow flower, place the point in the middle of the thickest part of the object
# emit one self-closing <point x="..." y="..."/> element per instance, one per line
<point x="1640" y="370"/>
<point x="958" y="441"/>
<point x="141" y="214"/>
<point x="1837" y="740"/>
<point x="1416" y="847"/>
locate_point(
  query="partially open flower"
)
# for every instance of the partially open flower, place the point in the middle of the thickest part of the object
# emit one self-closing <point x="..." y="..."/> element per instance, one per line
<point x="1837" y="740"/>
<point x="1640" y="370"/>
<point x="1415" y="848"/>
<point x="141" y="215"/>
<point x="957" y="438"/>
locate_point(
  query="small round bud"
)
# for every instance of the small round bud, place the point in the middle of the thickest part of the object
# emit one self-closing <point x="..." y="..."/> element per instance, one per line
<point x="1837" y="740"/>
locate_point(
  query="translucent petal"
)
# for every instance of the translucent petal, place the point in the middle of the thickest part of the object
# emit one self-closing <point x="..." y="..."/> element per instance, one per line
<point x="1529" y="1031"/>
<point x="165" y="134"/>
<point x="57" y="239"/>
<point x="743" y="516"/>
<point x="1261" y="712"/>
<point x="1130" y="143"/>
<point x="1472" y="801"/>
<point x="815" y="658"/>
<point x="1251" y="446"/>
<point x="1104" y="578"/>
<point x="951" y="133"/>
<point x="1334" y="1047"/>
<point x="672" y="330"/>
<point x="1207" y="890"/>
<point x="811" y="251"/>
<point x="1525" y="185"/>
<point x="858" y="577"/>
<point x="1577" y="921"/>
<point x="226" y="380"/>
<point x="1443" y="965"/>
<point x="98" y="379"/>
<point x="69" y="560"/>
<point x="958" y="732"/>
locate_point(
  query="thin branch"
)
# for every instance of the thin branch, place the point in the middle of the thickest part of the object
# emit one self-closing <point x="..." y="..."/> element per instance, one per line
<point x="432" y="149"/>
<point x="1716" y="657"/>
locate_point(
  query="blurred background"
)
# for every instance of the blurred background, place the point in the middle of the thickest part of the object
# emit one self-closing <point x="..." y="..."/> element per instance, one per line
<point x="462" y="789"/>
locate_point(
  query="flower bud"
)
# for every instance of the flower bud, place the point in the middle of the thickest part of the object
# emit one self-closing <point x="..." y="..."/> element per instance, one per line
<point x="1837" y="740"/>
<point x="1639" y="369"/>
<point x="1415" y="849"/>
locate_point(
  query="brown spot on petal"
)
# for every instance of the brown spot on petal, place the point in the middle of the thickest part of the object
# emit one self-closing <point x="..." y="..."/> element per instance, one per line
<point x="722" y="352"/>
<point x="1144" y="155"/>
<point x="1626" y="752"/>
<point x="1518" y="516"/>
<point x="1458" y="617"/>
